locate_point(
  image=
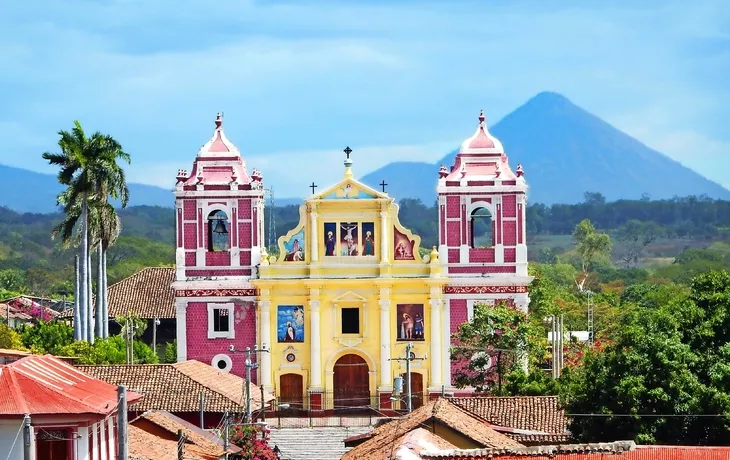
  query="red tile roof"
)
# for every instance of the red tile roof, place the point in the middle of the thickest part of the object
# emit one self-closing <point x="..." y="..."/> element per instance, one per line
<point x="441" y="411"/>
<point x="177" y="387"/>
<point x="541" y="417"/>
<point x="147" y="446"/>
<point x="147" y="293"/>
<point x="592" y="451"/>
<point x="38" y="385"/>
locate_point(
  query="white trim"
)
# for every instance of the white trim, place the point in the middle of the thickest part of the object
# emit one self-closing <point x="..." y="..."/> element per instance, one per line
<point x="231" y="332"/>
<point x="181" y="329"/>
<point x="222" y="357"/>
<point x="112" y="440"/>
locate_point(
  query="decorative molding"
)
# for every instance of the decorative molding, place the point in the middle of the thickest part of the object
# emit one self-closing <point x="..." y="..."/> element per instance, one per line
<point x="215" y="292"/>
<point x="350" y="341"/>
<point x="485" y="289"/>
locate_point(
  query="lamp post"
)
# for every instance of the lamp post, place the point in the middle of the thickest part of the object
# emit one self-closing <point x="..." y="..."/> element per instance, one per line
<point x="410" y="356"/>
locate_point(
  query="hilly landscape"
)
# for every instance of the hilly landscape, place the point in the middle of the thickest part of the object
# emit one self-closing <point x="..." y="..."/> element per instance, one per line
<point x="566" y="151"/>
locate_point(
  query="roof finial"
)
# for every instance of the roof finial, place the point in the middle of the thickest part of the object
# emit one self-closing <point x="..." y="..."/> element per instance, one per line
<point x="218" y="120"/>
<point x="348" y="162"/>
<point x="481" y="116"/>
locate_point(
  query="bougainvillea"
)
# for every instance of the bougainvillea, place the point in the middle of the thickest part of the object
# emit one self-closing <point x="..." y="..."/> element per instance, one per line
<point x="252" y="441"/>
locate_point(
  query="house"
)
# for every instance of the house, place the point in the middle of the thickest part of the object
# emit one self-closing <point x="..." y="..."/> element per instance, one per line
<point x="20" y="310"/>
<point x="72" y="415"/>
<point x="154" y="434"/>
<point x="529" y="420"/>
<point x="147" y="295"/>
<point x="177" y="388"/>
<point x="8" y="356"/>
<point x="442" y="419"/>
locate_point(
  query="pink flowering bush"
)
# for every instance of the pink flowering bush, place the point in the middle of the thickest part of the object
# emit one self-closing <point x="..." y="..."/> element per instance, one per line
<point x="253" y="447"/>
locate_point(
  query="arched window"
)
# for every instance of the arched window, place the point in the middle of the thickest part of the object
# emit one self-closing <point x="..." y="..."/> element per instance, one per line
<point x="482" y="228"/>
<point x="218" y="227"/>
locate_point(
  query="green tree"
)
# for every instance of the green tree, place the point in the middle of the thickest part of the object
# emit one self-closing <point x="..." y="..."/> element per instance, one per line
<point x="589" y="244"/>
<point x="10" y="339"/>
<point x="47" y="337"/>
<point x="88" y="167"/>
<point x="12" y="280"/>
<point x="170" y="355"/>
<point x="497" y="340"/>
<point x="635" y="236"/>
<point x="112" y="350"/>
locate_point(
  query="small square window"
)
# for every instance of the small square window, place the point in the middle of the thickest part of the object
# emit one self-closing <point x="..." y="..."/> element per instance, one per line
<point x="220" y="320"/>
<point x="350" y="320"/>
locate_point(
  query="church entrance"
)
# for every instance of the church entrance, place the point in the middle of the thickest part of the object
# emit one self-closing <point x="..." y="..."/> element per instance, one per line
<point x="416" y="389"/>
<point x="351" y="382"/>
<point x="291" y="391"/>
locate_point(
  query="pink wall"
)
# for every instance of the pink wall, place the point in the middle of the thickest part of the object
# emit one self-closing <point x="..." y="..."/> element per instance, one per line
<point x="201" y="348"/>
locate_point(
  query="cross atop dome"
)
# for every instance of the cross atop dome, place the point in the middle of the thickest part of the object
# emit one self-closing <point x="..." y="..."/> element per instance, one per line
<point x="348" y="162"/>
<point x="218" y="120"/>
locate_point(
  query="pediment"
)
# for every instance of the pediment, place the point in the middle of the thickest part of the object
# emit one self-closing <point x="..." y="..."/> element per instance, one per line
<point x="349" y="189"/>
<point x="349" y="296"/>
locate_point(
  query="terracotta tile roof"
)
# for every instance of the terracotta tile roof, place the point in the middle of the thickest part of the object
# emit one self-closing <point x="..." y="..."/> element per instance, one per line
<point x="147" y="446"/>
<point x="533" y="413"/>
<point x="148" y="294"/>
<point x="205" y="441"/>
<point x="45" y="385"/>
<point x="416" y="442"/>
<point x="440" y="410"/>
<point x="177" y="387"/>
<point x="566" y="451"/>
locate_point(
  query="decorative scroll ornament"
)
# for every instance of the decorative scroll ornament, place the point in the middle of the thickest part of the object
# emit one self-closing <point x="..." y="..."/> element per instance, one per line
<point x="485" y="289"/>
<point x="350" y="341"/>
<point x="215" y="292"/>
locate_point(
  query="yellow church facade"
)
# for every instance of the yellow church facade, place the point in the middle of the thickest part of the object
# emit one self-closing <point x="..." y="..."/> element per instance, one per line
<point x="348" y="290"/>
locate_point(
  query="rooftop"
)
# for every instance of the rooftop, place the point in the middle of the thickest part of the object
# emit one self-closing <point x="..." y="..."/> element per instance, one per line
<point x="44" y="385"/>
<point x="177" y="387"/>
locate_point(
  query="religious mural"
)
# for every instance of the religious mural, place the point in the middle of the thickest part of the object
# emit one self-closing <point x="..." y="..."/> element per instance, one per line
<point x="410" y="321"/>
<point x="330" y="238"/>
<point x="348" y="191"/>
<point x="368" y="243"/>
<point x="348" y="238"/>
<point x="290" y="323"/>
<point x="402" y="246"/>
<point x="294" y="247"/>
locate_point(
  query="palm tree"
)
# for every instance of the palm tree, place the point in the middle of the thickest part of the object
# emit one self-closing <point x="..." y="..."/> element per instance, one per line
<point x="89" y="168"/>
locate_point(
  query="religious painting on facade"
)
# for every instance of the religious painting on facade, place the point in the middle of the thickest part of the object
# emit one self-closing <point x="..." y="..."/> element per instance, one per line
<point x="290" y="323"/>
<point x="330" y="238"/>
<point x="349" y="239"/>
<point x="402" y="246"/>
<point x="368" y="241"/>
<point x="411" y="324"/>
<point x="294" y="247"/>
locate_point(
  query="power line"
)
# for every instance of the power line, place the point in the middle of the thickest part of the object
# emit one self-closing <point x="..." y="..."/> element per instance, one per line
<point x="648" y="415"/>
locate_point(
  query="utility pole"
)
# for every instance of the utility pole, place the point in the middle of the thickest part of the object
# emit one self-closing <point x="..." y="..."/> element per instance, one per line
<point x="225" y="434"/>
<point x="26" y="437"/>
<point x="180" y="445"/>
<point x="250" y="365"/>
<point x="202" y="410"/>
<point x="155" y="323"/>
<point x="410" y="356"/>
<point x="263" y="406"/>
<point x="122" y="424"/>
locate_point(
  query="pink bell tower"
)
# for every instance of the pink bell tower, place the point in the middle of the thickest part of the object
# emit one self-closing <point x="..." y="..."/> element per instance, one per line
<point x="219" y="228"/>
<point x="482" y="239"/>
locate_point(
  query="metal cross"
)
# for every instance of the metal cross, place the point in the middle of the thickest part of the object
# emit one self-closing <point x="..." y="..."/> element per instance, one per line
<point x="313" y="186"/>
<point x="348" y="151"/>
<point x="383" y="184"/>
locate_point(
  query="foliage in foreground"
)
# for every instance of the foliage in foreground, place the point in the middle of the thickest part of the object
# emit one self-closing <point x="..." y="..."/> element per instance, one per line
<point x="253" y="448"/>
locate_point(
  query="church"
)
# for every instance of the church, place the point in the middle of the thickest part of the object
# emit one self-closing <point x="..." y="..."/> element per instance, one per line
<point x="331" y="309"/>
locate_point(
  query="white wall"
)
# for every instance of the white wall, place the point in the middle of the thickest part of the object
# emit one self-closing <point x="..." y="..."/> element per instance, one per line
<point x="8" y="430"/>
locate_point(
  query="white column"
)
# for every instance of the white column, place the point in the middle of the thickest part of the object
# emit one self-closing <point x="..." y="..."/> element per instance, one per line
<point x="265" y="328"/>
<point x="103" y="447"/>
<point x="83" y="443"/>
<point x="446" y="343"/>
<point x="436" y="350"/>
<point x="314" y="257"/>
<point x="315" y="380"/>
<point x="384" y="247"/>
<point x="385" y="338"/>
<point x="181" y="329"/>
<point x="94" y="429"/>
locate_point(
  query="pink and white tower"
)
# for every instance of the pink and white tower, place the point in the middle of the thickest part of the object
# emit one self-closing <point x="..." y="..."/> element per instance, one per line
<point x="482" y="238"/>
<point x="219" y="221"/>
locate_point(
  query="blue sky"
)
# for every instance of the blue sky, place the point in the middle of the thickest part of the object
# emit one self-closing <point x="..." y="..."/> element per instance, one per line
<point x="395" y="80"/>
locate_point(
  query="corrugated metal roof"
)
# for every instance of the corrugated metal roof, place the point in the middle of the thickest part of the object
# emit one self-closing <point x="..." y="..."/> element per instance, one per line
<point x="45" y="385"/>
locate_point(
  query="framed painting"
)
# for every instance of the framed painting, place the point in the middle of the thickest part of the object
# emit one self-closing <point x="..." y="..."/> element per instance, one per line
<point x="290" y="323"/>
<point x="368" y="240"/>
<point x="411" y="323"/>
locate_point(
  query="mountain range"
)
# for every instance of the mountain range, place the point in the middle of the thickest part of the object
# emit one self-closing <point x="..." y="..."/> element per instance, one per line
<point x="565" y="152"/>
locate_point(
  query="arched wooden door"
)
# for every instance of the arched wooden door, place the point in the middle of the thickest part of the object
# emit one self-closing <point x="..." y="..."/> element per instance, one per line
<point x="417" y="389"/>
<point x="352" y="382"/>
<point x="291" y="390"/>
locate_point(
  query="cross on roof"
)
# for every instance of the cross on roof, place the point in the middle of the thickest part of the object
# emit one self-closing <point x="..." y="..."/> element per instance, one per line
<point x="348" y="151"/>
<point x="383" y="184"/>
<point x="313" y="186"/>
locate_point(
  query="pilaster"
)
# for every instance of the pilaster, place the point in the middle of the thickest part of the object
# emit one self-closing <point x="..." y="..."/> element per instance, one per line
<point x="265" y="331"/>
<point x="181" y="329"/>
<point x="385" y="341"/>
<point x="384" y="246"/>
<point x="314" y="255"/>
<point x="315" y="353"/>
<point x="436" y="349"/>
